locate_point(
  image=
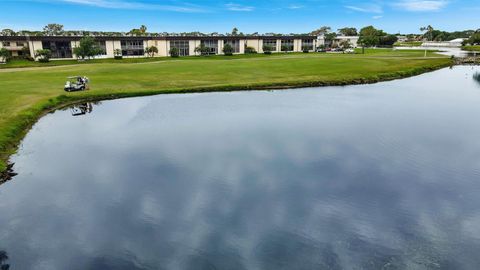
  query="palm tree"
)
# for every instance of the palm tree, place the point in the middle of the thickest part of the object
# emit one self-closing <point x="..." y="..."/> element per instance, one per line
<point x="428" y="31"/>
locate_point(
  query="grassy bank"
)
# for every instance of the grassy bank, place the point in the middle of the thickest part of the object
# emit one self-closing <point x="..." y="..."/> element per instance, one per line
<point x="26" y="94"/>
<point x="471" y="48"/>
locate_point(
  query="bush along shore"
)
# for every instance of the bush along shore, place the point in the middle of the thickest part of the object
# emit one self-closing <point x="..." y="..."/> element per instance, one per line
<point x="15" y="124"/>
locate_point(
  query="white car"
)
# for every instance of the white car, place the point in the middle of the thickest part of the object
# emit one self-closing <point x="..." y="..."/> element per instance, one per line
<point x="349" y="51"/>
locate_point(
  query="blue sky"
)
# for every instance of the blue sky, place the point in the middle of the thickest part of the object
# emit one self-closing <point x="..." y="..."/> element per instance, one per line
<point x="281" y="16"/>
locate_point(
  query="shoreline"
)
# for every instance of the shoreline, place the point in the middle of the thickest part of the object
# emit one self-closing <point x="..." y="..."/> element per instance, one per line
<point x="20" y="125"/>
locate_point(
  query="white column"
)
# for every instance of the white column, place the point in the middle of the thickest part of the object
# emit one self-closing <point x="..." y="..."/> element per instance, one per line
<point x="220" y="46"/>
<point x="241" y="46"/>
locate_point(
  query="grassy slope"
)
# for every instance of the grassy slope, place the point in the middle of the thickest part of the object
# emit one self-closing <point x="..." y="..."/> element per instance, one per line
<point x="27" y="93"/>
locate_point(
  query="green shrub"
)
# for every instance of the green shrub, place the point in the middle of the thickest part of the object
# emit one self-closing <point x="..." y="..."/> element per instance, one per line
<point x="43" y="55"/>
<point x="267" y="49"/>
<point x="250" y="50"/>
<point x="174" y="52"/>
<point x="228" y="49"/>
<point x="4" y="55"/>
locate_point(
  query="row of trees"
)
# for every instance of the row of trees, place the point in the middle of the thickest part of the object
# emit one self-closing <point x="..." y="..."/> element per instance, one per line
<point x="55" y="29"/>
<point x="371" y="37"/>
<point x="368" y="36"/>
<point x="474" y="39"/>
<point x="432" y="34"/>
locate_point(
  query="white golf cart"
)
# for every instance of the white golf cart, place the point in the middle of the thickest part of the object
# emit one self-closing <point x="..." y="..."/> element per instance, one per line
<point x="76" y="83"/>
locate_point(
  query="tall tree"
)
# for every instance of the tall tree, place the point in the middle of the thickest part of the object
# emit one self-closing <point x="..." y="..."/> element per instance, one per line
<point x="321" y="31"/>
<point x="348" y="31"/>
<point x="428" y="32"/>
<point x="369" y="37"/>
<point x="87" y="48"/>
<point x="142" y="31"/>
<point x="53" y="29"/>
<point x="235" y="31"/>
<point x="329" y="37"/>
<point x="7" y="32"/>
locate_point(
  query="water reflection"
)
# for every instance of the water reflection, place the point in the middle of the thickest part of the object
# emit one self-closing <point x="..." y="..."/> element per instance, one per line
<point x="380" y="176"/>
<point x="476" y="77"/>
<point x="81" y="109"/>
<point x="3" y="260"/>
<point x="7" y="174"/>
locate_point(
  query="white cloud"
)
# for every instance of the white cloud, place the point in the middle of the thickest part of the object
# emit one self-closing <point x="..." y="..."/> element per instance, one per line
<point x="377" y="17"/>
<point x="295" y="7"/>
<point x="238" y="7"/>
<point x="123" y="4"/>
<point x="367" y="8"/>
<point x="421" y="5"/>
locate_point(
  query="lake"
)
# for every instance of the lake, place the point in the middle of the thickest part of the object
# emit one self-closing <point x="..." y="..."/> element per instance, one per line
<point x="381" y="176"/>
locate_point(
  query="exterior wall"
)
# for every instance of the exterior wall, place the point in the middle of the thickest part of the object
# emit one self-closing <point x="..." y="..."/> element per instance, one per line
<point x="352" y="39"/>
<point x="297" y="45"/>
<point x="34" y="46"/>
<point x="192" y="44"/>
<point x="162" y="48"/>
<point x="74" y="44"/>
<point x="257" y="44"/>
<point x="242" y="47"/>
<point x="117" y="45"/>
<point x="14" y="48"/>
<point x="109" y="49"/>
<point x="279" y="45"/>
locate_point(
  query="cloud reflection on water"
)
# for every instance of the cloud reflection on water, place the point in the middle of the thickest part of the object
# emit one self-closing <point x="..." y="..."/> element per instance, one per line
<point x="359" y="177"/>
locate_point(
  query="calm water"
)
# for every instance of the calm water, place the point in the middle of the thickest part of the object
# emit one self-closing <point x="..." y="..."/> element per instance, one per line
<point x="383" y="176"/>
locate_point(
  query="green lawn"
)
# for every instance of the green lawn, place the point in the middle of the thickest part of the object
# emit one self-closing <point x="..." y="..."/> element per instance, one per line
<point x="26" y="93"/>
<point x="408" y="44"/>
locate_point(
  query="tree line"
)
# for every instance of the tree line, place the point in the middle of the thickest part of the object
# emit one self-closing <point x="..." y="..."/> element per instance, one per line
<point x="55" y="29"/>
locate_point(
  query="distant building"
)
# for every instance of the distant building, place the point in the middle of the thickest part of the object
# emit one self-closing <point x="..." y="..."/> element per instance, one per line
<point x="337" y="40"/>
<point x="402" y="38"/>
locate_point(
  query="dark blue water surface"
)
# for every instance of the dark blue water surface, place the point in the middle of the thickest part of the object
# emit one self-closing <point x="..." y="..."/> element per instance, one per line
<point x="383" y="176"/>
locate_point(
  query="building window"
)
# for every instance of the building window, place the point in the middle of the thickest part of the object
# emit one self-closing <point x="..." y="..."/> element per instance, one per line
<point x="102" y="45"/>
<point x="270" y="42"/>
<point x="6" y="44"/>
<point x="212" y="46"/>
<point x="183" y="46"/>
<point x="234" y="43"/>
<point x="287" y="45"/>
<point x="307" y="44"/>
<point x="132" y="47"/>
<point x="59" y="49"/>
<point x="20" y="44"/>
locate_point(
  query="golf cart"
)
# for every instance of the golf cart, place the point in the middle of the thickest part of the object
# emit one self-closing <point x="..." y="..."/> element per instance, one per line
<point x="76" y="83"/>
